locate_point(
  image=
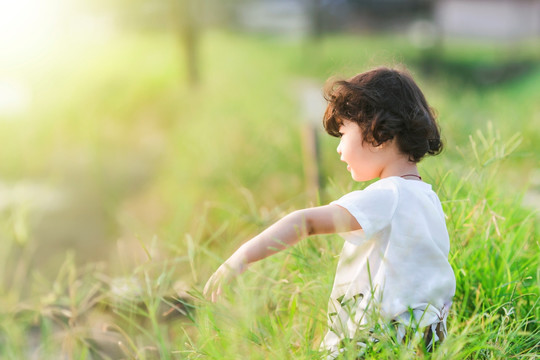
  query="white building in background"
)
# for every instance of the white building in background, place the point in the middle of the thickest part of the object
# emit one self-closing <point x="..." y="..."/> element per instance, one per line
<point x="482" y="19"/>
<point x="288" y="17"/>
<point x="488" y="19"/>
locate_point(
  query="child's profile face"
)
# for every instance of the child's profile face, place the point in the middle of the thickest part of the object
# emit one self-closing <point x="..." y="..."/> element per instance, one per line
<point x="364" y="161"/>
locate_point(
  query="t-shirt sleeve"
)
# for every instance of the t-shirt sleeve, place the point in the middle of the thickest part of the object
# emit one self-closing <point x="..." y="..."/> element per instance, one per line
<point x="372" y="207"/>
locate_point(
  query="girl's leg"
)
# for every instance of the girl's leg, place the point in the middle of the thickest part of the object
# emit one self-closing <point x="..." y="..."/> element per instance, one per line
<point x="436" y="333"/>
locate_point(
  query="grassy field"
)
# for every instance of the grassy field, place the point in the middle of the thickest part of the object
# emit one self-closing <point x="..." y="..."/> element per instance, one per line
<point x="123" y="189"/>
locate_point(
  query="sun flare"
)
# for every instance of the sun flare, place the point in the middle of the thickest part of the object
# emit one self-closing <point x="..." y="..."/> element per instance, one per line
<point x="29" y="26"/>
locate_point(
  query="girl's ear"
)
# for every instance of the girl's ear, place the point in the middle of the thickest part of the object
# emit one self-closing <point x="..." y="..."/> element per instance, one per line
<point x="386" y="144"/>
<point x="383" y="145"/>
<point x="378" y="148"/>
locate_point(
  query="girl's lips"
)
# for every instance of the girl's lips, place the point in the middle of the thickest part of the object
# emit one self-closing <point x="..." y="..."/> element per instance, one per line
<point x="348" y="168"/>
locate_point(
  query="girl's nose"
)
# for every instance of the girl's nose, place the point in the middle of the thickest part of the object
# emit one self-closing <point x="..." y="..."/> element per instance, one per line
<point x="338" y="149"/>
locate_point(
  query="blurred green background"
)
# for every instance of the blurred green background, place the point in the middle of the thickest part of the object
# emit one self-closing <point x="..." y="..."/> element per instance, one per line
<point x="121" y="121"/>
<point x="139" y="130"/>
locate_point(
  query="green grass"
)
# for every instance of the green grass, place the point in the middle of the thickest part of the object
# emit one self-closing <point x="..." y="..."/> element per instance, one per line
<point x="179" y="177"/>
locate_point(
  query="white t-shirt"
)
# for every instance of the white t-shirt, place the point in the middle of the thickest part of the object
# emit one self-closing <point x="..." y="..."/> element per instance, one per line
<point x="397" y="264"/>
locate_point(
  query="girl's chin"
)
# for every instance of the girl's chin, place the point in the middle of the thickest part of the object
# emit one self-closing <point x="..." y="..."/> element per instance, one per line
<point x="356" y="177"/>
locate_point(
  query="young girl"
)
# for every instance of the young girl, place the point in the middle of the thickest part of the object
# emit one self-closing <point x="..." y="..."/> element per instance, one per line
<point x="393" y="268"/>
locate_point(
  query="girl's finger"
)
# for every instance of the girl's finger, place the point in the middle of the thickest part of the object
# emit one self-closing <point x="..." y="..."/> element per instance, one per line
<point x="208" y="287"/>
<point x="214" y="296"/>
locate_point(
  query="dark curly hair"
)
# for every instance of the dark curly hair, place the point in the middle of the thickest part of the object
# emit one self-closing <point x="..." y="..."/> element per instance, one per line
<point x="386" y="104"/>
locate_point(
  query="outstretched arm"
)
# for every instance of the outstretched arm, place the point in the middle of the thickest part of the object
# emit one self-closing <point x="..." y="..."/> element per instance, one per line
<point x="286" y="232"/>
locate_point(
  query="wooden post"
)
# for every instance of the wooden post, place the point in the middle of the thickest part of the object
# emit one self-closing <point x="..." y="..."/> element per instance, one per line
<point x="312" y="106"/>
<point x="185" y="21"/>
<point x="310" y="150"/>
<point x="190" y="34"/>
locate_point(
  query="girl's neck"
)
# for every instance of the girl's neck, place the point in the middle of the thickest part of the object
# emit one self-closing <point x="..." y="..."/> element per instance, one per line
<point x="405" y="169"/>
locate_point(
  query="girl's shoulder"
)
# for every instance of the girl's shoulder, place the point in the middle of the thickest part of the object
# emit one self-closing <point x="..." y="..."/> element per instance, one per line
<point x="390" y="183"/>
<point x="381" y="191"/>
<point x="390" y="190"/>
<point x="399" y="183"/>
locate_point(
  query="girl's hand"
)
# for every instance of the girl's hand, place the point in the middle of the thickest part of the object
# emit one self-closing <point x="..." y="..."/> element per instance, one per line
<point x="224" y="274"/>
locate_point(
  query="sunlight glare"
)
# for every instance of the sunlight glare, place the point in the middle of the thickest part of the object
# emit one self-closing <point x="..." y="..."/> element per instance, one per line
<point x="15" y="98"/>
<point x="28" y="26"/>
